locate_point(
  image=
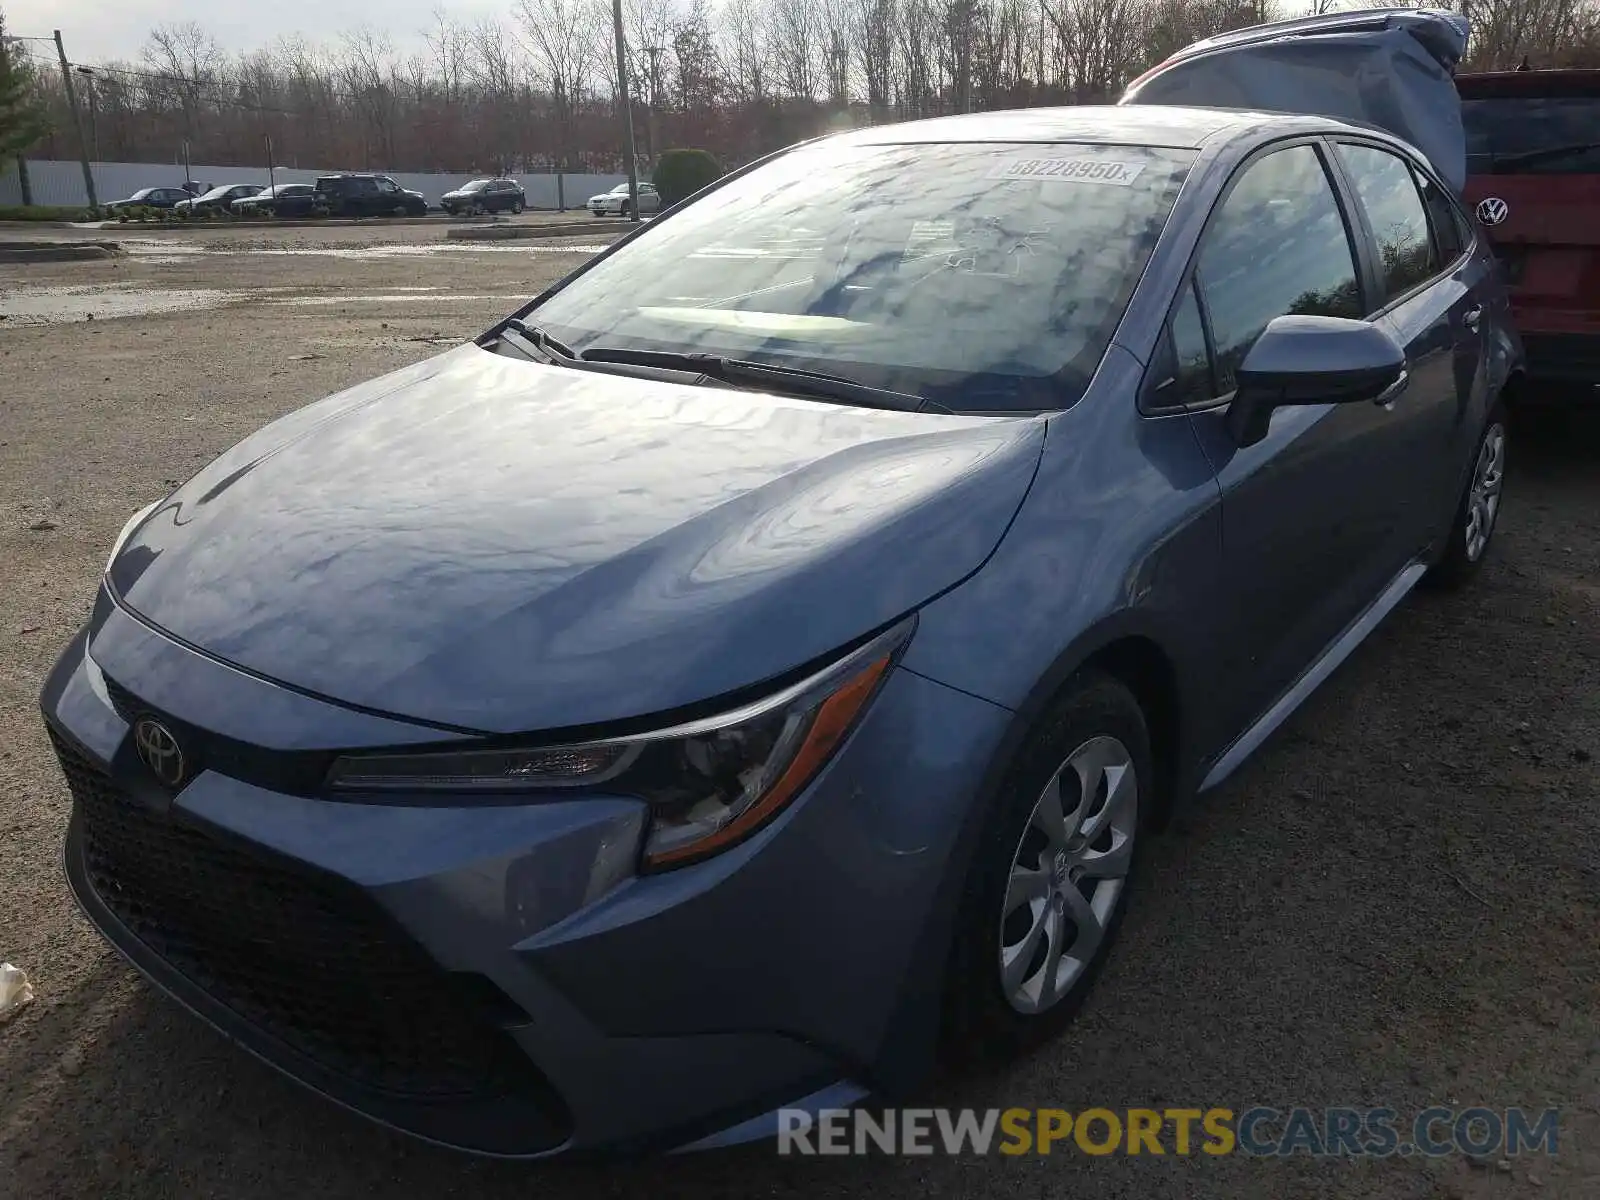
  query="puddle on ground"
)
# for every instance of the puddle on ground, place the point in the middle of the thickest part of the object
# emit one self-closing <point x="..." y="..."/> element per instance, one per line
<point x="405" y="298"/>
<point x="164" y="252"/>
<point x="64" y="305"/>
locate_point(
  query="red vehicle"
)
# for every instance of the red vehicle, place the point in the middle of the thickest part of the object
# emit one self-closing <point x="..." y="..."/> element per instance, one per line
<point x="1533" y="178"/>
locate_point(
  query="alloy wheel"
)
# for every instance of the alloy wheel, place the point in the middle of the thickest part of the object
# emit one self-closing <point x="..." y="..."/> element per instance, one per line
<point x="1483" y="495"/>
<point x="1069" y="869"/>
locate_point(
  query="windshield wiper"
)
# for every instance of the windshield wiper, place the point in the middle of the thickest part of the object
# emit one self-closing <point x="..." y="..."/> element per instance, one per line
<point x="1526" y="157"/>
<point x="742" y="370"/>
<point x="533" y="337"/>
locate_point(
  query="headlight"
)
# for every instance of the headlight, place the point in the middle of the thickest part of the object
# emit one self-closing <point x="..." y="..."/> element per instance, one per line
<point x="709" y="783"/>
<point x="133" y="523"/>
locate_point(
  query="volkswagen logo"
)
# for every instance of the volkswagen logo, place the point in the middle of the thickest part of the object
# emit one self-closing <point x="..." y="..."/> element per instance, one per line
<point x="159" y="751"/>
<point x="1492" y="210"/>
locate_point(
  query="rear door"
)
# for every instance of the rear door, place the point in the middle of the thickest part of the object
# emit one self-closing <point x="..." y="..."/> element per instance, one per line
<point x="1433" y="297"/>
<point x="1533" y="163"/>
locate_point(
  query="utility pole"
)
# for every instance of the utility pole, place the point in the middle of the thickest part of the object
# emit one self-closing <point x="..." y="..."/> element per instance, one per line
<point x="77" y="121"/>
<point x="94" y="111"/>
<point x="627" y="111"/>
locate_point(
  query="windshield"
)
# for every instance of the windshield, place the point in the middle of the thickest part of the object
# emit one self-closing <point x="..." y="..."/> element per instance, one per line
<point x="979" y="276"/>
<point x="1533" y="135"/>
<point x="477" y="185"/>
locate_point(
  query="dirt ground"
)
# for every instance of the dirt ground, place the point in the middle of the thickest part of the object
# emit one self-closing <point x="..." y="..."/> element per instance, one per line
<point x="1396" y="903"/>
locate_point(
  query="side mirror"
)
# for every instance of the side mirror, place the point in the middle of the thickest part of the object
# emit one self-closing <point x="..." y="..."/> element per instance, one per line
<point x="1313" y="360"/>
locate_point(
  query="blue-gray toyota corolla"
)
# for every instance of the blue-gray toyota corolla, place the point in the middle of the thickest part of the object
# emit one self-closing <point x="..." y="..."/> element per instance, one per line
<point x="750" y="673"/>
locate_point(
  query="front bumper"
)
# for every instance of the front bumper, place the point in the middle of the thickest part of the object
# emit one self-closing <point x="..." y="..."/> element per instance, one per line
<point x="496" y="978"/>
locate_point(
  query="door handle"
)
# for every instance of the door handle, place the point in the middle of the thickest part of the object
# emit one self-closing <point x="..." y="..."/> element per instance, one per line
<point x="1472" y="316"/>
<point x="1390" y="394"/>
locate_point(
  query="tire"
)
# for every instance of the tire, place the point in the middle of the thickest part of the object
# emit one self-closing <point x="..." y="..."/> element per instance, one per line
<point x="516" y="208"/>
<point x="994" y="1011"/>
<point x="624" y="212"/>
<point x="1477" y="511"/>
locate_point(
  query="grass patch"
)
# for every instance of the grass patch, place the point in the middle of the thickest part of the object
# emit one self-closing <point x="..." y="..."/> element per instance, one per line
<point x="47" y="212"/>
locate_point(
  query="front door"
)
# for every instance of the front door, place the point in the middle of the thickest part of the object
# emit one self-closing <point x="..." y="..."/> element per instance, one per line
<point x="1308" y="513"/>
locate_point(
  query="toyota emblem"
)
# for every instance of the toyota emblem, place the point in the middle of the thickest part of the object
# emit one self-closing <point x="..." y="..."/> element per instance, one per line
<point x="1492" y="210"/>
<point x="159" y="751"/>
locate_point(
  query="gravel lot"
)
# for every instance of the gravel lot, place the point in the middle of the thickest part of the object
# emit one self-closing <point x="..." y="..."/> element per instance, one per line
<point x="1396" y="903"/>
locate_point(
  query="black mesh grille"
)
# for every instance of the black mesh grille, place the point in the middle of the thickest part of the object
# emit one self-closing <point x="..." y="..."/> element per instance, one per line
<point x="301" y="954"/>
<point x="124" y="701"/>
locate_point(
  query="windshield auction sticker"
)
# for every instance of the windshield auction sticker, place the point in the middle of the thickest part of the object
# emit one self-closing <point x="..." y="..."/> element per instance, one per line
<point x="1069" y="170"/>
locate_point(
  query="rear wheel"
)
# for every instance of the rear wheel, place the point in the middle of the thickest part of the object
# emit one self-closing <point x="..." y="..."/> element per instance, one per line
<point x="1478" y="513"/>
<point x="1050" y="877"/>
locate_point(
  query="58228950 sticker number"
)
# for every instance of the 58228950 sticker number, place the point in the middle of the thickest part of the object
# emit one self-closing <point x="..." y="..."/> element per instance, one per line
<point x="1069" y="170"/>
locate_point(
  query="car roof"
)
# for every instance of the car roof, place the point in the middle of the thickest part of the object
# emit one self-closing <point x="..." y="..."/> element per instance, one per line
<point x="1126" y="125"/>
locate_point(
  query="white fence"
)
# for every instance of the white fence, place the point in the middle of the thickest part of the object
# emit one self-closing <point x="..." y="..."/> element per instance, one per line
<point x="55" y="182"/>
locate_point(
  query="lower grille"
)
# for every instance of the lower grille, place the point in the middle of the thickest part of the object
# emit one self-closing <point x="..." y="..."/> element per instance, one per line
<point x="302" y="955"/>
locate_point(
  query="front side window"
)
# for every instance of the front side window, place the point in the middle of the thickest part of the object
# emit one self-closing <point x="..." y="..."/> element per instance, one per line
<point x="1277" y="247"/>
<point x="1191" y="357"/>
<point x="1399" y="222"/>
<point x="983" y="276"/>
<point x="388" y="185"/>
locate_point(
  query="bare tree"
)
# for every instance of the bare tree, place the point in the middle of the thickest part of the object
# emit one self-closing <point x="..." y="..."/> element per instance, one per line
<point x="566" y="38"/>
<point x="738" y="77"/>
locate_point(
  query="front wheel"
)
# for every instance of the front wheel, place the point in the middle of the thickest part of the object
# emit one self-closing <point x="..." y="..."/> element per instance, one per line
<point x="1478" y="512"/>
<point x="1050" y="876"/>
<point x="516" y="208"/>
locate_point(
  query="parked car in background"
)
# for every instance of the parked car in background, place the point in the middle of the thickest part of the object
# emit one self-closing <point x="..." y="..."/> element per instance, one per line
<point x="363" y="195"/>
<point x="217" y="199"/>
<point x="485" y="196"/>
<point x="151" y="197"/>
<point x="615" y="203"/>
<point x="1533" y="180"/>
<point x="281" y="200"/>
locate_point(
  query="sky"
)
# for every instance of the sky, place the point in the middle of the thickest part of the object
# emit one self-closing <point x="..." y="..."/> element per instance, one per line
<point x="105" y="29"/>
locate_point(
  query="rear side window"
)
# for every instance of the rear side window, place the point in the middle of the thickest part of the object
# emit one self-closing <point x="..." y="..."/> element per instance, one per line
<point x="1533" y="135"/>
<point x="1395" y="213"/>
<point x="1277" y="246"/>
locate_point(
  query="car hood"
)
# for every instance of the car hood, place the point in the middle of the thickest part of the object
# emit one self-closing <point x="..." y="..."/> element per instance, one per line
<point x="499" y="546"/>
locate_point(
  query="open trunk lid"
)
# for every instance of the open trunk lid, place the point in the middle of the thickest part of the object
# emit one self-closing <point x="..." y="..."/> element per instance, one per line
<point x="1391" y="68"/>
